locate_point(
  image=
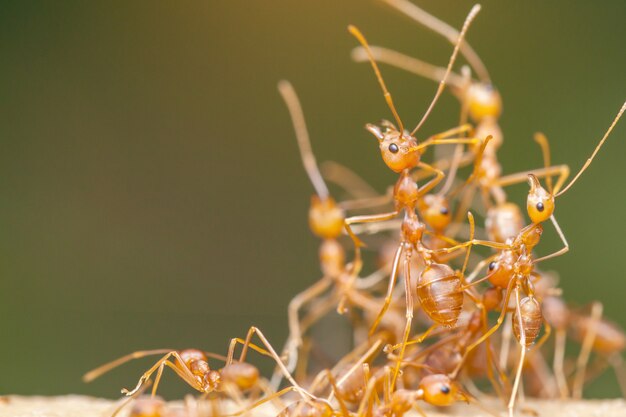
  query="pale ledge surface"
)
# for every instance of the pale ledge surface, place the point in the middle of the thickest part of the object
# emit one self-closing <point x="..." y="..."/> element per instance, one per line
<point x="78" y="406"/>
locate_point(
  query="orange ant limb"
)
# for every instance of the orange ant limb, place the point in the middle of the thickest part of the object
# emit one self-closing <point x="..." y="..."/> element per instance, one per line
<point x="408" y="289"/>
<point x="392" y="283"/>
<point x="596" y="150"/>
<point x="406" y="63"/>
<point x="585" y="351"/>
<point x="450" y="33"/>
<point x="272" y="353"/>
<point x="458" y="42"/>
<point x="374" y="218"/>
<point x="513" y="284"/>
<point x="103" y="369"/>
<point x="557" y="364"/>
<point x="520" y="365"/>
<point x="299" y="301"/>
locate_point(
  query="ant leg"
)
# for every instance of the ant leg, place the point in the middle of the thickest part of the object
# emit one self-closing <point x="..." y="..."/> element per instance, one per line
<point x="374" y="218"/>
<point x="512" y="284"/>
<point x="480" y="265"/>
<point x="362" y="361"/>
<point x="296" y="303"/>
<point x="233" y="345"/>
<point x="507" y="336"/>
<point x="487" y="243"/>
<point x="431" y="22"/>
<point x="347" y="179"/>
<point x="333" y="384"/>
<point x="465" y="128"/>
<point x="262" y="401"/>
<point x="488" y="352"/>
<point x="561" y="251"/>
<point x="157" y="379"/>
<point x="557" y="365"/>
<point x="617" y="363"/>
<point x="378" y="201"/>
<point x="522" y="358"/>
<point x="406" y="63"/>
<point x="103" y="369"/>
<point x="304" y="394"/>
<point x="408" y="290"/>
<point x="392" y="283"/>
<point x="446" y="141"/>
<point x="439" y="175"/>
<point x="183" y="372"/>
<point x="561" y="170"/>
<point x="372" y="279"/>
<point x="370" y="393"/>
<point x="585" y="351"/>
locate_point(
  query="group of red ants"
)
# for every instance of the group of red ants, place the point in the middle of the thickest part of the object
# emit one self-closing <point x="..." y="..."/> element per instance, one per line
<point x="452" y="325"/>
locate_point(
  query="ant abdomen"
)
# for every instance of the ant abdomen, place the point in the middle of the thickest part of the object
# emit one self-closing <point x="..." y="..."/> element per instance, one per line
<point x="443" y="360"/>
<point x="503" y="222"/>
<point x="326" y="218"/>
<point x="241" y="374"/>
<point x="311" y="408"/>
<point x="352" y="388"/>
<point x="531" y="320"/>
<point x="609" y="338"/>
<point x="483" y="101"/>
<point x="440" y="292"/>
<point x="556" y="312"/>
<point x="148" y="407"/>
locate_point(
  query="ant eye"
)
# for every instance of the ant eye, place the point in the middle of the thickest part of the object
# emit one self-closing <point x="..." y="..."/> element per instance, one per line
<point x="540" y="206"/>
<point x="393" y="148"/>
<point x="445" y="389"/>
<point x="444" y="211"/>
<point x="492" y="266"/>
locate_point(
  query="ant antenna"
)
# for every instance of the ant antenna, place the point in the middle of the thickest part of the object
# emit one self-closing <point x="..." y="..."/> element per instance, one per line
<point x="541" y="139"/>
<point x="431" y="22"/>
<point x="304" y="143"/>
<point x="588" y="162"/>
<point x="468" y="20"/>
<point x="354" y="31"/>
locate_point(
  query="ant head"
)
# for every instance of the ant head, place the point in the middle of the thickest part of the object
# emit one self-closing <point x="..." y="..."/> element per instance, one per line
<point x="501" y="269"/>
<point x="439" y="390"/>
<point x="435" y="210"/>
<point x="540" y="203"/>
<point x="397" y="148"/>
<point x="326" y="217"/>
<point x="483" y="101"/>
<point x="211" y="381"/>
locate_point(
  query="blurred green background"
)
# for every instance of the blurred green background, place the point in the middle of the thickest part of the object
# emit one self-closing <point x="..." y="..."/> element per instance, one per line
<point x="151" y="193"/>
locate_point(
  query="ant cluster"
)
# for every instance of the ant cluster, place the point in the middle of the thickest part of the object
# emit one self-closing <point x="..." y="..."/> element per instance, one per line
<point x="452" y="325"/>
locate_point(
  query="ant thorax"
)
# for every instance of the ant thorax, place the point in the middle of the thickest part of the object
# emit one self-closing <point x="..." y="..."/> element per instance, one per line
<point x="397" y="149"/>
<point x="503" y="222"/>
<point x="405" y="192"/>
<point x="529" y="237"/>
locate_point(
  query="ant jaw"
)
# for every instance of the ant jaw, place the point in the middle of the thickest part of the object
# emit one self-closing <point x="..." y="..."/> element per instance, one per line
<point x="375" y="130"/>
